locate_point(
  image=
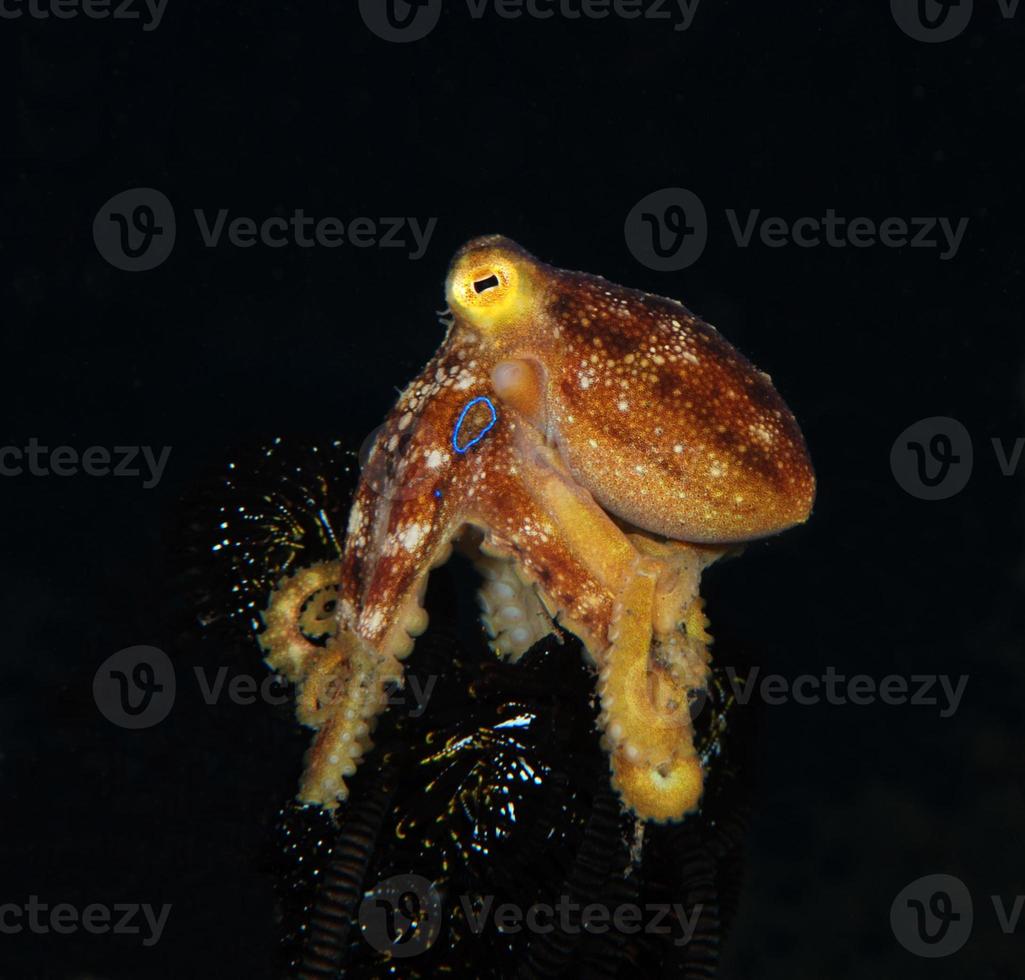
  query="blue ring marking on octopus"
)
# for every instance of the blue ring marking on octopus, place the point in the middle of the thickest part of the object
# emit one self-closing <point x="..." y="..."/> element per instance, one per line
<point x="483" y="432"/>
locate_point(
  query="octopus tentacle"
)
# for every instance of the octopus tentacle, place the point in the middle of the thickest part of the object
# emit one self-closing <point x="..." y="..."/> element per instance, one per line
<point x="511" y="611"/>
<point x="300" y="612"/>
<point x="648" y="665"/>
<point x="645" y="700"/>
<point x="342" y="698"/>
<point x="343" y="683"/>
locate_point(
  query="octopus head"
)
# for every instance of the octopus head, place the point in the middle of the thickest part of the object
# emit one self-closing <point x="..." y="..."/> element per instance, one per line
<point x="667" y="425"/>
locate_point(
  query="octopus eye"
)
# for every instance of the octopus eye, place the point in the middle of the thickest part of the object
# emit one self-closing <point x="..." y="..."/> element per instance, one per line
<point x="484" y="287"/>
<point x="488" y="284"/>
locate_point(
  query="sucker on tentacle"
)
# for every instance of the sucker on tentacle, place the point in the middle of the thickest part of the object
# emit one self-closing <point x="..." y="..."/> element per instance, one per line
<point x="511" y="611"/>
<point x="598" y="447"/>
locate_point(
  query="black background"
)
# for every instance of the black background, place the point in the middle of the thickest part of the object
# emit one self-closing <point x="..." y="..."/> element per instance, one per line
<point x="549" y="132"/>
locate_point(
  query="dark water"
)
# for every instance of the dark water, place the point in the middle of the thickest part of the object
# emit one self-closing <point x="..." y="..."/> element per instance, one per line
<point x="549" y="131"/>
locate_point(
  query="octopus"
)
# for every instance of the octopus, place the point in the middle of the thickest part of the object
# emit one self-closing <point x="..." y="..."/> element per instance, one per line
<point x="592" y="449"/>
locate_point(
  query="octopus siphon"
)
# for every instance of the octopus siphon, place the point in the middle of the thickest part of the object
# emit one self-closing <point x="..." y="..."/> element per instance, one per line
<point x="593" y="449"/>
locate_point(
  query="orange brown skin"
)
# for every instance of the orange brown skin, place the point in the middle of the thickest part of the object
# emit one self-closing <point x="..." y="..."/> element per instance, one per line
<point x="614" y="409"/>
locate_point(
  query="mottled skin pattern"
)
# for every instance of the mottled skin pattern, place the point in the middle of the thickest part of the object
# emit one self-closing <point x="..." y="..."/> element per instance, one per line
<point x="632" y="446"/>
